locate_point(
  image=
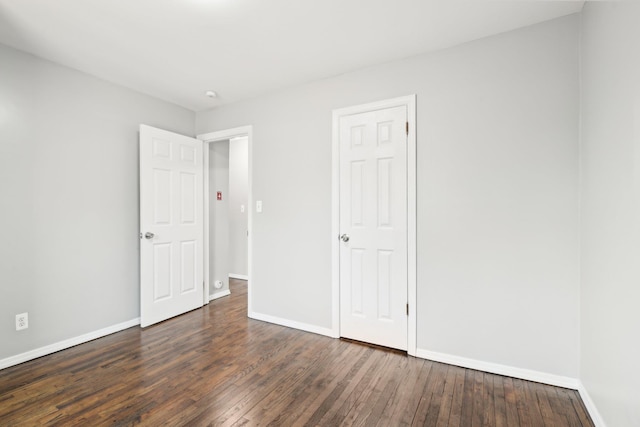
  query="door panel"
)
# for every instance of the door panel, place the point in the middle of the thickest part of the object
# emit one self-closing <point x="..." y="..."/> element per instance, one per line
<point x="171" y="210"/>
<point x="373" y="213"/>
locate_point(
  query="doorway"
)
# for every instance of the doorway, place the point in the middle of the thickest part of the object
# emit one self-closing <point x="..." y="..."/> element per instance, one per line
<point x="237" y="136"/>
<point x="228" y="209"/>
<point x="374" y="223"/>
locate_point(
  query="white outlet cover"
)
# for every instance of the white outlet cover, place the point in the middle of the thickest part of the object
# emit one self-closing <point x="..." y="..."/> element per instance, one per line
<point x="22" y="321"/>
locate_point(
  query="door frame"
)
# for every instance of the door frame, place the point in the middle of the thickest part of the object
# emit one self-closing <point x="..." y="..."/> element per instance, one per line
<point x="208" y="138"/>
<point x="410" y="102"/>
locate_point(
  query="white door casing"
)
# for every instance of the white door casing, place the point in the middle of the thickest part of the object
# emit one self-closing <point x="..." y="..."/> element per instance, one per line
<point x="373" y="217"/>
<point x="171" y="224"/>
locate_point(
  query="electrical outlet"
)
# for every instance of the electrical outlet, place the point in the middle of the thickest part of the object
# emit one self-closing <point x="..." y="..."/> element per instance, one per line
<point x="22" y="321"/>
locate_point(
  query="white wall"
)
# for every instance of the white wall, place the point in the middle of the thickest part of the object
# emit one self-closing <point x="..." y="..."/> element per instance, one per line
<point x="497" y="195"/>
<point x="218" y="215"/>
<point x="69" y="186"/>
<point x="238" y="197"/>
<point x="610" y="162"/>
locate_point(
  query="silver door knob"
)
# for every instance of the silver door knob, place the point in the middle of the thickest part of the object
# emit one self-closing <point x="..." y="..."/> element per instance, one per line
<point x="344" y="238"/>
<point x="149" y="235"/>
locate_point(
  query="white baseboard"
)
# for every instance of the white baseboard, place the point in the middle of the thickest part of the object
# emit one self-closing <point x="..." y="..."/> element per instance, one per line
<point x="597" y="419"/>
<point x="238" y="276"/>
<point x="293" y="324"/>
<point x="495" y="368"/>
<point x="61" y="345"/>
<point x="219" y="294"/>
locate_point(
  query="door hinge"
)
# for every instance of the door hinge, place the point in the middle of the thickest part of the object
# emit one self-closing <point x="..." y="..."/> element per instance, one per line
<point x="407" y="128"/>
<point x="407" y="309"/>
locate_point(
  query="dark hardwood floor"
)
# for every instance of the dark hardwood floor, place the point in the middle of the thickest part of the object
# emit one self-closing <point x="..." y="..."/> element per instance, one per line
<point x="214" y="366"/>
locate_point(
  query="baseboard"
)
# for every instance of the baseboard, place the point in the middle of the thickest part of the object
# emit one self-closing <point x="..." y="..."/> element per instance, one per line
<point x="238" y="276"/>
<point x="495" y="368"/>
<point x="68" y="343"/>
<point x="293" y="324"/>
<point x="597" y="419"/>
<point x="219" y="294"/>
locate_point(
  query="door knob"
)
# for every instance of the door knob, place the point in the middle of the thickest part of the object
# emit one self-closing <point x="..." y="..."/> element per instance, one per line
<point x="149" y="235"/>
<point x="344" y="238"/>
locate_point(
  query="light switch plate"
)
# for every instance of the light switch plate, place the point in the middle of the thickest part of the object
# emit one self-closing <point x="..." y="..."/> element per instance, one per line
<point x="259" y="206"/>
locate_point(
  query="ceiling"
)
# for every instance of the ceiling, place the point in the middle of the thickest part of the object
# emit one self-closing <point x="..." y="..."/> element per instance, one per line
<point x="175" y="50"/>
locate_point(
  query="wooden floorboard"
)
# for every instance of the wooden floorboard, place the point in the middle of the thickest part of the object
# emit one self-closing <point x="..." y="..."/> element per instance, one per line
<point x="216" y="367"/>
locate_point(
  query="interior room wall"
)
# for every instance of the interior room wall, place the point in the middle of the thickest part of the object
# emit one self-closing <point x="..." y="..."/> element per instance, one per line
<point x="238" y="205"/>
<point x="218" y="216"/>
<point x="610" y="188"/>
<point x="69" y="184"/>
<point x="498" y="244"/>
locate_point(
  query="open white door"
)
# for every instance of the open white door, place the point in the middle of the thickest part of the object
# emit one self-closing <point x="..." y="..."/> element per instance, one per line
<point x="171" y="225"/>
<point x="373" y="226"/>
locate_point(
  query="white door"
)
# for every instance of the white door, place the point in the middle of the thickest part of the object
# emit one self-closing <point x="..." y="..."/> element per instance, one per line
<point x="171" y="225"/>
<point x="373" y="227"/>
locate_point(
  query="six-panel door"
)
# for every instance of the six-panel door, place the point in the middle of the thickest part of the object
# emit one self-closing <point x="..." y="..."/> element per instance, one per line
<point x="373" y="215"/>
<point x="171" y="224"/>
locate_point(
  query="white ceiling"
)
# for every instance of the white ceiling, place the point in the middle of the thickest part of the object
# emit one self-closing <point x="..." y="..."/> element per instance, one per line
<point x="177" y="49"/>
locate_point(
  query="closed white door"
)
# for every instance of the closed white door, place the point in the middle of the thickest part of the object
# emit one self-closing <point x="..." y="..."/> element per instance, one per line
<point x="171" y="225"/>
<point x="373" y="227"/>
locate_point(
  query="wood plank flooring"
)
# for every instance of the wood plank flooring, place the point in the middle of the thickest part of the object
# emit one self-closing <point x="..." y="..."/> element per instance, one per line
<point x="214" y="366"/>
